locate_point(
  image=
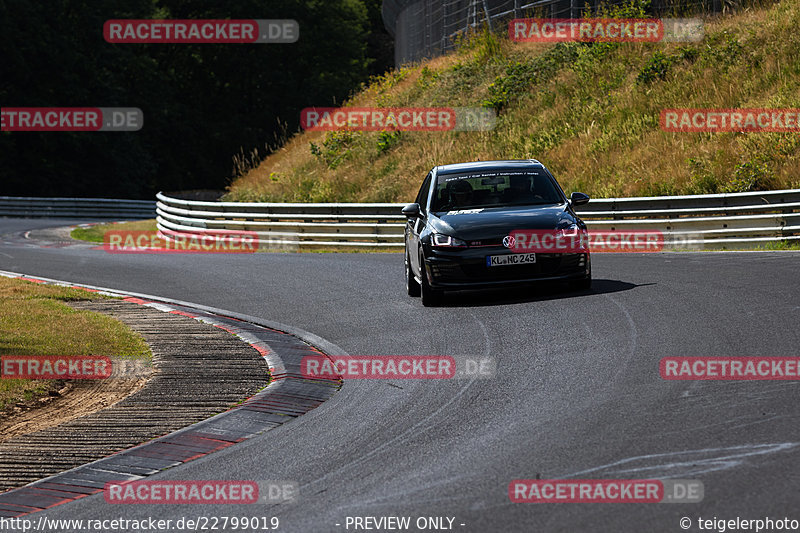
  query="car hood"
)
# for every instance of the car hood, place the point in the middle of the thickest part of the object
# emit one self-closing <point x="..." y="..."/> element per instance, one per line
<point x="494" y="222"/>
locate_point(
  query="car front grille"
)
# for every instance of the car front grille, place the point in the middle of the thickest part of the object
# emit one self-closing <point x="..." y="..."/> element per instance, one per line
<point x="497" y="241"/>
<point x="474" y="271"/>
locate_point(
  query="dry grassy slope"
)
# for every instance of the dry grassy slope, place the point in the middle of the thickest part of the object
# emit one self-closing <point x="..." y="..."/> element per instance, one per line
<point x="589" y="112"/>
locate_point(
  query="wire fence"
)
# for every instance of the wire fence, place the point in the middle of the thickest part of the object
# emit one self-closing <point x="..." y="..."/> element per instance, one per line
<point x="427" y="28"/>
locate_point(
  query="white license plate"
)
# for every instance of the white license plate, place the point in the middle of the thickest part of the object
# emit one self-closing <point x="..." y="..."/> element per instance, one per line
<point x="510" y="259"/>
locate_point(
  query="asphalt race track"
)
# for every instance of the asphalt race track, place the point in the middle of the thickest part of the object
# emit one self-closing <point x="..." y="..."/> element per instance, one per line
<point x="577" y="392"/>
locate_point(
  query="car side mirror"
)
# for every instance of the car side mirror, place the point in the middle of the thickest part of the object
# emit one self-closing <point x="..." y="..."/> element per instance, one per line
<point x="578" y="198"/>
<point x="411" y="210"/>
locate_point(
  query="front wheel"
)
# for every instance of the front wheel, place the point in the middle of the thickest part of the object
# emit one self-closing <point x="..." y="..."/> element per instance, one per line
<point x="430" y="297"/>
<point x="412" y="287"/>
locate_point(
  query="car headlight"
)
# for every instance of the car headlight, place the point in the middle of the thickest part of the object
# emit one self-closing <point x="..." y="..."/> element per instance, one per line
<point x="570" y="230"/>
<point x="448" y="241"/>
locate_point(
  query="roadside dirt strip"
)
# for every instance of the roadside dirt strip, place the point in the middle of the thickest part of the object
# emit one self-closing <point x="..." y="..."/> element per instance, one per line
<point x="203" y="364"/>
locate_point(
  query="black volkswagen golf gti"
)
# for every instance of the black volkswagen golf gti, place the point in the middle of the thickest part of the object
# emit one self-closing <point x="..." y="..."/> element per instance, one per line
<point x="458" y="232"/>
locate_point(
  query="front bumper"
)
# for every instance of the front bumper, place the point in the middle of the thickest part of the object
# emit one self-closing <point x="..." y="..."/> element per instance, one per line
<point x="466" y="268"/>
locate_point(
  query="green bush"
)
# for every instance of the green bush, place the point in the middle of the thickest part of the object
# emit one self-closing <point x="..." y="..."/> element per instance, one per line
<point x="722" y="51"/>
<point x="656" y="68"/>
<point x="387" y="139"/>
<point x="427" y="78"/>
<point x="749" y="176"/>
<point x="336" y="147"/>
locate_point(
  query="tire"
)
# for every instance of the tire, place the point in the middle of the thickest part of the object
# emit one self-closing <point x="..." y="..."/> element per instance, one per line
<point x="412" y="287"/>
<point x="430" y="297"/>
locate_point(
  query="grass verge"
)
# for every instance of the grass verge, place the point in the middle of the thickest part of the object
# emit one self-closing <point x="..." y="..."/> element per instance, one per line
<point x="782" y="245"/>
<point x="349" y="249"/>
<point x="35" y="320"/>
<point x="95" y="232"/>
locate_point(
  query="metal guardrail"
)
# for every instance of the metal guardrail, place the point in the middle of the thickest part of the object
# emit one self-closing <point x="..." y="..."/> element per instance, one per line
<point x="100" y="208"/>
<point x="712" y="221"/>
<point x="281" y="224"/>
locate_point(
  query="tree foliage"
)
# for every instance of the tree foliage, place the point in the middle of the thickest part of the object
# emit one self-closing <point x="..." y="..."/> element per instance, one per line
<point x="202" y="103"/>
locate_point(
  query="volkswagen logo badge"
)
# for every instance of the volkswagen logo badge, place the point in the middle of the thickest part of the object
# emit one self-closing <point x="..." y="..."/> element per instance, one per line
<point x="509" y="241"/>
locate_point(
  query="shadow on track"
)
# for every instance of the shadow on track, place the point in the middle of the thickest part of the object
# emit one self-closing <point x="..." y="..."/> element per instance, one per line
<point x="533" y="293"/>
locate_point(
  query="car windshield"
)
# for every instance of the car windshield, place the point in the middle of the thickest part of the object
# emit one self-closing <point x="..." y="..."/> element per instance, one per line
<point x="494" y="189"/>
